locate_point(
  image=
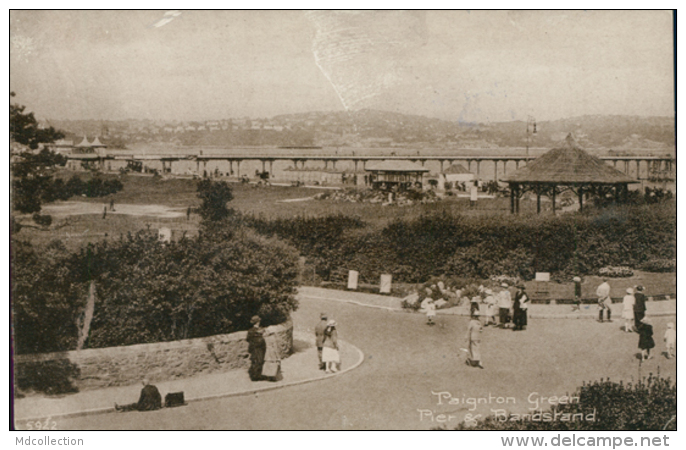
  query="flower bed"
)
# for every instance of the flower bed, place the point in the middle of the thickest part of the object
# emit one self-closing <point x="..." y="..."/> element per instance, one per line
<point x="616" y="272"/>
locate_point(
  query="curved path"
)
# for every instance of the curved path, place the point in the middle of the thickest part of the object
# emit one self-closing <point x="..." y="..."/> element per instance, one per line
<point x="406" y="363"/>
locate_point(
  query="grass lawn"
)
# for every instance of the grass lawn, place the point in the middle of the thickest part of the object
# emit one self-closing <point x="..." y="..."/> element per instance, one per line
<point x="267" y="202"/>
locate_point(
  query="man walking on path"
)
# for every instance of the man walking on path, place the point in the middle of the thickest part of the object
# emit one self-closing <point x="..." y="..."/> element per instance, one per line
<point x="604" y="301"/>
<point x="319" y="335"/>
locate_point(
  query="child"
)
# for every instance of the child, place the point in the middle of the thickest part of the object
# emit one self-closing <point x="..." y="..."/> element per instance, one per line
<point x="490" y="307"/>
<point x="430" y="312"/>
<point x="670" y="340"/>
<point x="474" y="304"/>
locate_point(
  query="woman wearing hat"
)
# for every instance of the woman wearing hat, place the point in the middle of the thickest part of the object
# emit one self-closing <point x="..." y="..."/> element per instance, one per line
<point x="473" y="339"/>
<point x="257" y="348"/>
<point x="519" y="308"/>
<point x="330" y="355"/>
<point x="645" y="340"/>
<point x="639" y="306"/>
<point x="628" y="311"/>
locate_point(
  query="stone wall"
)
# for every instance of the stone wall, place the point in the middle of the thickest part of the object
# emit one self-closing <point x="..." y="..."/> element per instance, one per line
<point x="120" y="366"/>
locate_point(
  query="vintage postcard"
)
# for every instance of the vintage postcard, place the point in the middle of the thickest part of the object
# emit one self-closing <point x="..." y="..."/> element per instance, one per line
<point x="342" y="220"/>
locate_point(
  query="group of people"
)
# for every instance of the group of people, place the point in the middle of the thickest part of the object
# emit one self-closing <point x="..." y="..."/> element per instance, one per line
<point x="635" y="320"/>
<point x="508" y="310"/>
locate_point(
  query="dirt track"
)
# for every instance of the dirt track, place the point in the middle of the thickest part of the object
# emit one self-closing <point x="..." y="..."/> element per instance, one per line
<point x="63" y="209"/>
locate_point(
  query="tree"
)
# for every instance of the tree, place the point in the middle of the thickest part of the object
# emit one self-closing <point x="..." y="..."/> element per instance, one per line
<point x="32" y="179"/>
<point x="24" y="128"/>
<point x="214" y="195"/>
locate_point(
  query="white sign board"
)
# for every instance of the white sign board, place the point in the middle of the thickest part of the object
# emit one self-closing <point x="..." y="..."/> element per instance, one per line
<point x="353" y="276"/>
<point x="542" y="276"/>
<point x="385" y="287"/>
<point x="165" y="234"/>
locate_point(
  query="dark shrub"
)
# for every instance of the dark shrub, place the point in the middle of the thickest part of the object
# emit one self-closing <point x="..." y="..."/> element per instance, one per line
<point x="75" y="186"/>
<point x="659" y="265"/>
<point x="50" y="377"/>
<point x="214" y="195"/>
<point x="649" y="404"/>
<point x="44" y="220"/>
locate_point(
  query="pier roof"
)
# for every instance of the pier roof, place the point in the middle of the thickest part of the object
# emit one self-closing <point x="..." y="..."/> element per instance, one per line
<point x="395" y="166"/>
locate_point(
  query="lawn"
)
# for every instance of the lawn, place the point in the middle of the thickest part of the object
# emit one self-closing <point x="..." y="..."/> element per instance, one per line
<point x="263" y="201"/>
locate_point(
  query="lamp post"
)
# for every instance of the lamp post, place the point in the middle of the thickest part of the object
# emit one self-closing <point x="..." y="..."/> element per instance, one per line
<point x="530" y="131"/>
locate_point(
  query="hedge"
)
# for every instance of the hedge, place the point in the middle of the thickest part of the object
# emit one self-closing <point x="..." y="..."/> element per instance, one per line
<point x="649" y="404"/>
<point x="449" y="244"/>
<point x="149" y="291"/>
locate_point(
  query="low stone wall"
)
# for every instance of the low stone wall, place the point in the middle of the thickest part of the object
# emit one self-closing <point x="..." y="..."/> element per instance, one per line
<point x="120" y="366"/>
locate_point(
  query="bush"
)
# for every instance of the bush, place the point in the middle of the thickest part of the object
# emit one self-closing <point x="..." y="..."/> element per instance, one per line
<point x="149" y="291"/>
<point x="649" y="404"/>
<point x="46" y="299"/>
<point x="659" y="265"/>
<point x="448" y="245"/>
<point x="75" y="186"/>
<point x="214" y="195"/>
<point x="50" y="377"/>
<point x="44" y="220"/>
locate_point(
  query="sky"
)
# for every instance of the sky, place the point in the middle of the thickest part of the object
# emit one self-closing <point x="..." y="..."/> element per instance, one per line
<point x="480" y="66"/>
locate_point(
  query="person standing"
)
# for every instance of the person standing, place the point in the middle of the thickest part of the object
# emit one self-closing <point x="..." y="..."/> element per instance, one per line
<point x="504" y="305"/>
<point x="473" y="339"/>
<point x="519" y="307"/>
<point x="490" y="303"/>
<point x="639" y="306"/>
<point x="670" y="340"/>
<point x="330" y="354"/>
<point x="524" y="302"/>
<point x="257" y="348"/>
<point x="474" y="304"/>
<point x="645" y="339"/>
<point x="577" y="294"/>
<point x="430" y="312"/>
<point x="319" y="330"/>
<point x="604" y="301"/>
<point x="628" y="311"/>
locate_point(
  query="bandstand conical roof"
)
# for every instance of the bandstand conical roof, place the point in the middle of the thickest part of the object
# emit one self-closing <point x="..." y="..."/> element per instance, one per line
<point x="569" y="165"/>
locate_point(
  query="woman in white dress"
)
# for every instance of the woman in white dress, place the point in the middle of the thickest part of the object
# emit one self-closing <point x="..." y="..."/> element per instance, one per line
<point x="628" y="311"/>
<point x="330" y="355"/>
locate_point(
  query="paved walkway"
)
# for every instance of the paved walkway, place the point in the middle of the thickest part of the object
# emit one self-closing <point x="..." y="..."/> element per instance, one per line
<point x="299" y="368"/>
<point x="536" y="311"/>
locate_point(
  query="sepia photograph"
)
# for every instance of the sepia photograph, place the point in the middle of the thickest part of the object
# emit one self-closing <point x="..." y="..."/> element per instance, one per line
<point x="343" y="220"/>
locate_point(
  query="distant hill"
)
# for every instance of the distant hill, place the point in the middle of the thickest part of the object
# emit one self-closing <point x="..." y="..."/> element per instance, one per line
<point x="370" y="128"/>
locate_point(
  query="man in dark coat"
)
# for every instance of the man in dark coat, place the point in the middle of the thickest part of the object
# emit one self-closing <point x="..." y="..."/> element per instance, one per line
<point x="319" y="336"/>
<point x="519" y="308"/>
<point x="150" y="400"/>
<point x="257" y="348"/>
<point x="639" y="306"/>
